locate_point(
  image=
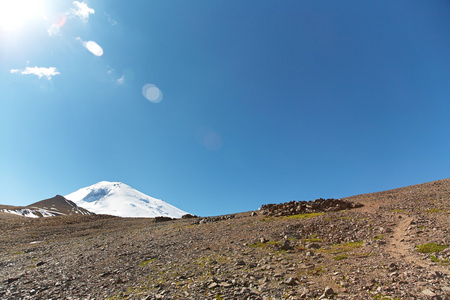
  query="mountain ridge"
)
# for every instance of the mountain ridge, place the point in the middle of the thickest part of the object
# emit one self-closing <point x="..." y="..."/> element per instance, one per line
<point x="51" y="207"/>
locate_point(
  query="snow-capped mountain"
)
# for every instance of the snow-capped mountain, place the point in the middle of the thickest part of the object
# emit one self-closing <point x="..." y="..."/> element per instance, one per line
<point x="119" y="199"/>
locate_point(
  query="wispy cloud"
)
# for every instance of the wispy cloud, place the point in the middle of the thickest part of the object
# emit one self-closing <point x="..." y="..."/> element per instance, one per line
<point x="114" y="76"/>
<point x="81" y="10"/>
<point x="54" y="29"/>
<point x="110" y="70"/>
<point x="110" y="19"/>
<point x="38" y="71"/>
<point x="121" y="80"/>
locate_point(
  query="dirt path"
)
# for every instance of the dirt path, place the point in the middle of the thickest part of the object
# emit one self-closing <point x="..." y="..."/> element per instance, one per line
<point x="401" y="249"/>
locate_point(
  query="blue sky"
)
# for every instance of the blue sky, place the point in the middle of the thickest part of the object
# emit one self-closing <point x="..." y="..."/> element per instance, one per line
<point x="250" y="103"/>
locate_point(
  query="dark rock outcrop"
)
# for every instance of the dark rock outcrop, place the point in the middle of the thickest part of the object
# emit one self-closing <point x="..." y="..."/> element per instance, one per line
<point x="301" y="207"/>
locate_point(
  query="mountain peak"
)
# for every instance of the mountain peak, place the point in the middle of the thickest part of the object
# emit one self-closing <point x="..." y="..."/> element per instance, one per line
<point x="119" y="199"/>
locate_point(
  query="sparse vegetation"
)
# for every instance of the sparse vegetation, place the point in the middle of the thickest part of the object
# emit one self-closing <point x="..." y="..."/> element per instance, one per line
<point x="303" y="216"/>
<point x="146" y="262"/>
<point x="340" y="257"/>
<point x="441" y="261"/>
<point x="258" y="245"/>
<point x="431" y="248"/>
<point x="274" y="243"/>
<point x="434" y="210"/>
<point x="313" y="240"/>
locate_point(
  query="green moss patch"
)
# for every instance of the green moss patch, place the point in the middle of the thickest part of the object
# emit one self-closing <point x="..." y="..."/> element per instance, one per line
<point x="431" y="248"/>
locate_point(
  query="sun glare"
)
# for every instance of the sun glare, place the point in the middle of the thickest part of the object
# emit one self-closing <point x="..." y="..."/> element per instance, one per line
<point x="15" y="14"/>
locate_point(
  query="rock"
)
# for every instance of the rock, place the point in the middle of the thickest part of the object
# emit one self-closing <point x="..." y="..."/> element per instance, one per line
<point x="163" y="219"/>
<point x="226" y="284"/>
<point x="327" y="292"/>
<point x="436" y="274"/>
<point x="298" y="207"/>
<point x="212" y="285"/>
<point x="313" y="246"/>
<point x="286" y="246"/>
<point x="393" y="266"/>
<point x="188" y="216"/>
<point x="105" y="274"/>
<point x="12" y="279"/>
<point x="290" y="281"/>
<point x="240" y="263"/>
<point x="428" y="292"/>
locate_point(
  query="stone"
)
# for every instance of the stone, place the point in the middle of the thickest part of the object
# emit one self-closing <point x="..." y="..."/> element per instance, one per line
<point x="212" y="285"/>
<point x="286" y="246"/>
<point x="428" y="292"/>
<point x="313" y="246"/>
<point x="226" y="284"/>
<point x="290" y="281"/>
<point x="393" y="266"/>
<point x="328" y="291"/>
<point x="240" y="263"/>
<point x="12" y="279"/>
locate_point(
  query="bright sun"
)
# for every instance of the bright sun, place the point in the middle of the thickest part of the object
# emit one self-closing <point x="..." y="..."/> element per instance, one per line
<point x="15" y="14"/>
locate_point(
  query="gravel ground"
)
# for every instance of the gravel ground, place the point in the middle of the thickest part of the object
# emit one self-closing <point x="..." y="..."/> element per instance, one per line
<point x="365" y="253"/>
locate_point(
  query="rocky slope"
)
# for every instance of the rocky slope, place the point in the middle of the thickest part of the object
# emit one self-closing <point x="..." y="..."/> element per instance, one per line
<point x="394" y="247"/>
<point x="56" y="206"/>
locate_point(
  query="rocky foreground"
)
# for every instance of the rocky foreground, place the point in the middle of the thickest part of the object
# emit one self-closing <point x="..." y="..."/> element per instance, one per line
<point x="394" y="247"/>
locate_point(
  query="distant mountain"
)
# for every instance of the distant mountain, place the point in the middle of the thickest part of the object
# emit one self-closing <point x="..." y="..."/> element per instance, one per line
<point x="119" y="199"/>
<point x="56" y="206"/>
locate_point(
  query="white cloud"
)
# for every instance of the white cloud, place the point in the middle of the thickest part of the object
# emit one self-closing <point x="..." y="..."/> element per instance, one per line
<point x="81" y="10"/>
<point x="38" y="71"/>
<point x="121" y="80"/>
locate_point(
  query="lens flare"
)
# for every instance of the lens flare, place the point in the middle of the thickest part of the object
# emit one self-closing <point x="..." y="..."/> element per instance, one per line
<point x="209" y="138"/>
<point x="94" y="48"/>
<point x="59" y="20"/>
<point x="152" y="93"/>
